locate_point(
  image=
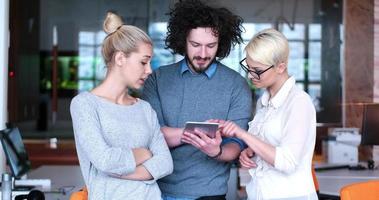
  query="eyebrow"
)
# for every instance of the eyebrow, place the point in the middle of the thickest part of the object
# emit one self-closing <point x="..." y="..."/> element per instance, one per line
<point x="253" y="68"/>
<point x="256" y="68"/>
<point x="147" y="56"/>
<point x="212" y="43"/>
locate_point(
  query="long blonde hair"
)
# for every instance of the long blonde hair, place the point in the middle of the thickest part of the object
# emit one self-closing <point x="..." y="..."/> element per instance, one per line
<point x="121" y="37"/>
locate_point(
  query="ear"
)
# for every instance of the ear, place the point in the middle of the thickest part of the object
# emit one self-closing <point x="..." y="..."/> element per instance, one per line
<point x="282" y="67"/>
<point x="119" y="58"/>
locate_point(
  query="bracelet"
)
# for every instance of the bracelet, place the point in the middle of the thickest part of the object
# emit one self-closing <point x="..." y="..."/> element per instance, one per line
<point x="219" y="154"/>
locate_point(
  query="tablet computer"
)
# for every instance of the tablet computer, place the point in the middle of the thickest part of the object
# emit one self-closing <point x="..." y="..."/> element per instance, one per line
<point x="208" y="128"/>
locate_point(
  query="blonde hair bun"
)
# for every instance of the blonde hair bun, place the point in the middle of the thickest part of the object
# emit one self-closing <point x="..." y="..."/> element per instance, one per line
<point x="121" y="37"/>
<point x="112" y="22"/>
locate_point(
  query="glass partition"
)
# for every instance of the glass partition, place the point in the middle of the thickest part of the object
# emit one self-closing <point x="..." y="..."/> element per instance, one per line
<point x="81" y="67"/>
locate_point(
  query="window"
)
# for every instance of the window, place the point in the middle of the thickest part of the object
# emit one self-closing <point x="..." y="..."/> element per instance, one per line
<point x="91" y="65"/>
<point x="304" y="59"/>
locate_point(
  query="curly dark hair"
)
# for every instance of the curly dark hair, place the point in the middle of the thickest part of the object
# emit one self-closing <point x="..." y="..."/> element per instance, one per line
<point x="191" y="14"/>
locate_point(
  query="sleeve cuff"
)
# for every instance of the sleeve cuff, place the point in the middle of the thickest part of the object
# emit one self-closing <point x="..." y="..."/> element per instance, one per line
<point x="153" y="170"/>
<point x="240" y="143"/>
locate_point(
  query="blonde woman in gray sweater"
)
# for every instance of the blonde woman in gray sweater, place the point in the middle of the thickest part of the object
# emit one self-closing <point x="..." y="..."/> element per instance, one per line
<point x="120" y="147"/>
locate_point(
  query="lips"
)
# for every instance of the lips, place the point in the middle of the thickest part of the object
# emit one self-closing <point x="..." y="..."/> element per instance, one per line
<point x="142" y="80"/>
<point x="201" y="63"/>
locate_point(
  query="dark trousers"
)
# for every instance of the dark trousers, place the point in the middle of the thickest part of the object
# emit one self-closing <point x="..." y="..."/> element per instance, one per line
<point x="218" y="197"/>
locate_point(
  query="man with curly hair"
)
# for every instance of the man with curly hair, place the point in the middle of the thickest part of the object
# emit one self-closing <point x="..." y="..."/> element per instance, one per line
<point x="199" y="88"/>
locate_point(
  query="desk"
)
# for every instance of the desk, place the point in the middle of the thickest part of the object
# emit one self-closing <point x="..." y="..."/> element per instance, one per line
<point x="69" y="177"/>
<point x="66" y="178"/>
<point x="331" y="181"/>
<point x="41" y="152"/>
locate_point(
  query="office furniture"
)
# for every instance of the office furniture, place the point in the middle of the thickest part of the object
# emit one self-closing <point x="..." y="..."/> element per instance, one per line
<point x="43" y="152"/>
<point x="332" y="181"/>
<point x="80" y="195"/>
<point x="64" y="180"/>
<point x="368" y="190"/>
<point x="67" y="179"/>
<point x="244" y="178"/>
<point x="315" y="181"/>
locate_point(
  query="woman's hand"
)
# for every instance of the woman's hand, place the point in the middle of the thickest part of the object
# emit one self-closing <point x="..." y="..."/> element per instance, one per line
<point x="141" y="155"/>
<point x="245" y="159"/>
<point x="231" y="129"/>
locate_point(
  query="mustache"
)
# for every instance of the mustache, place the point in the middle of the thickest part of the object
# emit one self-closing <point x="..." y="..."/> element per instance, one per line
<point x="200" y="58"/>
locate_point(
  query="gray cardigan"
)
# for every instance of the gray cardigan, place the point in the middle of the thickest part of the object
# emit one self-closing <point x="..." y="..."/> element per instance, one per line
<point x="105" y="134"/>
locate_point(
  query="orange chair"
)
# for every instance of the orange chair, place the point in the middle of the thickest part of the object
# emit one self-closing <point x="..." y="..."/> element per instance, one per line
<point x="315" y="181"/>
<point x="80" y="195"/>
<point x="368" y="190"/>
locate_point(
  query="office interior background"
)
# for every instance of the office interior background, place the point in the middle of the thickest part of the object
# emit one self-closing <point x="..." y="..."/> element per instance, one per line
<point x="334" y="57"/>
<point x="314" y="29"/>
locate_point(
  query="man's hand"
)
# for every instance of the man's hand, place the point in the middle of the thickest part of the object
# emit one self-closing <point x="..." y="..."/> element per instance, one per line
<point x="172" y="136"/>
<point x="198" y="139"/>
<point x="245" y="159"/>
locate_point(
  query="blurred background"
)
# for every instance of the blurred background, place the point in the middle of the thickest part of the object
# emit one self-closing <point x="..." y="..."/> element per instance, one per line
<point x="314" y="29"/>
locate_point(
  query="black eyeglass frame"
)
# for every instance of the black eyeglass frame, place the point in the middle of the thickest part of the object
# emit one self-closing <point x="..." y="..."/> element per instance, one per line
<point x="255" y="74"/>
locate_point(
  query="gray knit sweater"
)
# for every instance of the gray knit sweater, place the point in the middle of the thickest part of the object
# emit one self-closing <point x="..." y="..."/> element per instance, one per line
<point x="178" y="97"/>
<point x="105" y="134"/>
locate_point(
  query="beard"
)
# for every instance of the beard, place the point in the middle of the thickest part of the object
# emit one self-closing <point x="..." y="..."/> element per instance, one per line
<point x="200" y="69"/>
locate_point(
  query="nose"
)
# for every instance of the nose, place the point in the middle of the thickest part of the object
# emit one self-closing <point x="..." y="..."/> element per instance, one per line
<point x="203" y="52"/>
<point x="250" y="76"/>
<point x="148" y="69"/>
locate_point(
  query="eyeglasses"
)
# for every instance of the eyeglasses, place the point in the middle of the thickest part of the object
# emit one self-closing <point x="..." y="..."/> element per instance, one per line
<point x="255" y="74"/>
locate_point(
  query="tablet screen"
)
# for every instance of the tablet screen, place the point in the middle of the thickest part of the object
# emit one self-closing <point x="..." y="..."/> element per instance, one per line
<point x="207" y="127"/>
